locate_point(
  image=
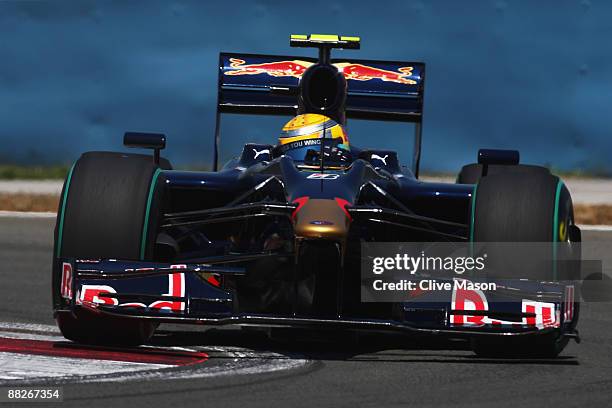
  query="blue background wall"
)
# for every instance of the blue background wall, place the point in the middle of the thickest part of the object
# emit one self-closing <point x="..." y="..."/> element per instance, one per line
<point x="536" y="76"/>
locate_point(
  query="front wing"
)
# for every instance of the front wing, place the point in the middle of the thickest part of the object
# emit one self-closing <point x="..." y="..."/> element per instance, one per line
<point x="193" y="293"/>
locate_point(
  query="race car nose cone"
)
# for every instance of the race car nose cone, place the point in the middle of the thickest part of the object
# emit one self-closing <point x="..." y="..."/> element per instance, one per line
<point x="321" y="219"/>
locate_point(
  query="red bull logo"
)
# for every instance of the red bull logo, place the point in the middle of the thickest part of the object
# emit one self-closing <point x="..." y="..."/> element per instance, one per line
<point x="293" y="68"/>
<point x="360" y="72"/>
<point x="296" y="69"/>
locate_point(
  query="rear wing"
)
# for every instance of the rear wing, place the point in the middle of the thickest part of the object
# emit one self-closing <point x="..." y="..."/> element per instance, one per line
<point x="268" y="84"/>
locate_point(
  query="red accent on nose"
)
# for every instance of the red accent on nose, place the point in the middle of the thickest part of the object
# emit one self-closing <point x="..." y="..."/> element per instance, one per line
<point x="300" y="202"/>
<point x="343" y="204"/>
<point x="214" y="281"/>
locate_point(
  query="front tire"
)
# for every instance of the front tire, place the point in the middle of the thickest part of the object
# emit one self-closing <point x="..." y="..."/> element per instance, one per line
<point x="108" y="209"/>
<point x="523" y="206"/>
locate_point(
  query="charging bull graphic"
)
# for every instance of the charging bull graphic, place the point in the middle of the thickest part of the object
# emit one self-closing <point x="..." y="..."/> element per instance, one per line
<point x="296" y="69"/>
<point x="360" y="72"/>
<point x="293" y="68"/>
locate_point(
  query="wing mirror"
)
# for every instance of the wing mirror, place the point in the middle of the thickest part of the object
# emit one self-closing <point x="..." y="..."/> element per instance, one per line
<point x="155" y="141"/>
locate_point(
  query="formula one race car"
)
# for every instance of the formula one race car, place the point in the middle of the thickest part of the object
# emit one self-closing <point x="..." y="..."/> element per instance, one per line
<point x="274" y="238"/>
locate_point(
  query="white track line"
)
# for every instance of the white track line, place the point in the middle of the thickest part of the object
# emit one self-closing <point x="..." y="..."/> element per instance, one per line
<point x="30" y="331"/>
<point x="595" y="227"/>
<point x="27" y="214"/>
<point x="47" y="328"/>
<point x="26" y="367"/>
<point x="31" y="186"/>
<point x="14" y="366"/>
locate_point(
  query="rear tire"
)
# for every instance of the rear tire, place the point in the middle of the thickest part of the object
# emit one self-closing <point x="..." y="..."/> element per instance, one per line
<point x="525" y="206"/>
<point x="110" y="211"/>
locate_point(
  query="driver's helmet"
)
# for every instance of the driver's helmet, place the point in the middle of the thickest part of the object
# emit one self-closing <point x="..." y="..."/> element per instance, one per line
<point x="302" y="136"/>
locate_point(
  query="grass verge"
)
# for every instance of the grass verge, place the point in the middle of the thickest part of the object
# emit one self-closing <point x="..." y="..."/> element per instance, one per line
<point x="28" y="202"/>
<point x="15" y="172"/>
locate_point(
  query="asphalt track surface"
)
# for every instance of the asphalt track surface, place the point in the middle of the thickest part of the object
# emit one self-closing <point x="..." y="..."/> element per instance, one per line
<point x="380" y="372"/>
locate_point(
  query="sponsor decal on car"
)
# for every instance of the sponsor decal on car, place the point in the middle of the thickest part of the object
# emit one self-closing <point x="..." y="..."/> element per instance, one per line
<point x="323" y="176"/>
<point x="94" y="294"/>
<point x="66" y="282"/>
<point x="545" y="313"/>
<point x="321" y="222"/>
<point x="380" y="158"/>
<point x="293" y="68"/>
<point x="296" y="68"/>
<point x="176" y="284"/>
